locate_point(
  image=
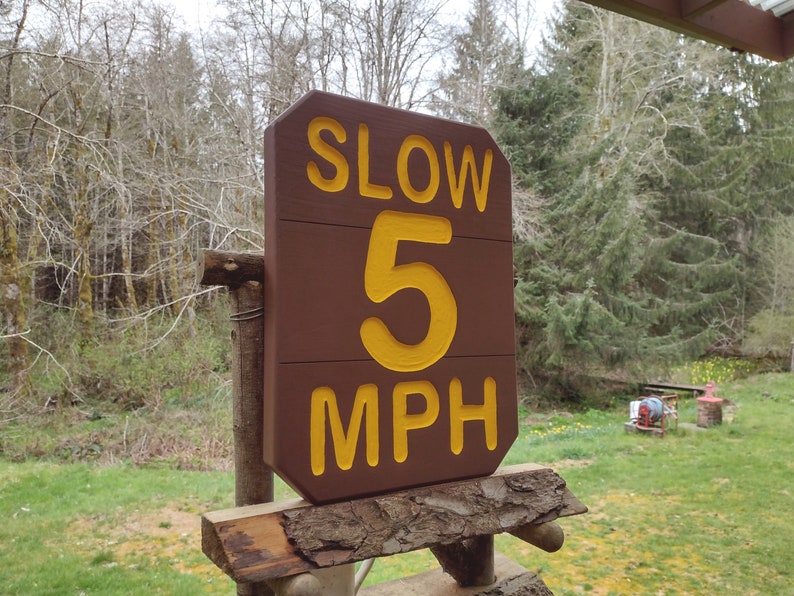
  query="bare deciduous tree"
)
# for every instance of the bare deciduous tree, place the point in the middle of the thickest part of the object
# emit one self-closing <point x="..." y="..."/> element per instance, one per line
<point x="396" y="44"/>
<point x="13" y="284"/>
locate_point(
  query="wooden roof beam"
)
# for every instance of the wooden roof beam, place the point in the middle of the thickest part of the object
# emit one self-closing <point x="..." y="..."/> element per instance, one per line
<point x="730" y="23"/>
<point x="694" y="8"/>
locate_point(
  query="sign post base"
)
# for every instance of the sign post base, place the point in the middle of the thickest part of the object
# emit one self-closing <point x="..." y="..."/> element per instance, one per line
<point x="511" y="580"/>
<point x="277" y="540"/>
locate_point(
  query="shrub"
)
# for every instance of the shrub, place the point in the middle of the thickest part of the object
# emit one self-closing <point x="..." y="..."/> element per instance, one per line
<point x="135" y="363"/>
<point x="769" y="334"/>
<point x="717" y="369"/>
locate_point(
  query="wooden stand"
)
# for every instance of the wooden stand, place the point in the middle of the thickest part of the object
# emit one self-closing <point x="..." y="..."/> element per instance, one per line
<point x="293" y="548"/>
<point x="456" y="521"/>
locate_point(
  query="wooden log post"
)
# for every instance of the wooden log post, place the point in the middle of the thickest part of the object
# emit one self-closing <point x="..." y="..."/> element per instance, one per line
<point x="470" y="561"/>
<point x="548" y="537"/>
<point x="243" y="274"/>
<point x="253" y="481"/>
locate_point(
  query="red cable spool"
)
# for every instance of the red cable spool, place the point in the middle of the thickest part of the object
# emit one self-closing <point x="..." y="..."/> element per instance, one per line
<point x="650" y="411"/>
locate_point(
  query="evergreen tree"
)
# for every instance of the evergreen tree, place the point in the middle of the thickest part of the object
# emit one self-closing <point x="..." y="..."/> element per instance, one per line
<point x="484" y="60"/>
<point x="771" y="329"/>
<point x="620" y="277"/>
<point x="762" y="223"/>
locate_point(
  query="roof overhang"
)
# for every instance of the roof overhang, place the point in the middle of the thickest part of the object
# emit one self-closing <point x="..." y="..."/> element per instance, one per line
<point x="762" y="27"/>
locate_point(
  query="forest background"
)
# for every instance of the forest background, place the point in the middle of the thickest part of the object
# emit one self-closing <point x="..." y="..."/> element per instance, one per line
<point x="652" y="218"/>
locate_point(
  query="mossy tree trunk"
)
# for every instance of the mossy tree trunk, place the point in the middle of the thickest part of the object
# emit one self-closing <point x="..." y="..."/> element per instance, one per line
<point x="85" y="294"/>
<point x="13" y="319"/>
<point x="82" y="222"/>
<point x="12" y="287"/>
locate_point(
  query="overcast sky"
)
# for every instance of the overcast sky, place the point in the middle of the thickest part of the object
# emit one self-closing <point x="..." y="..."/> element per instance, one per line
<point x="197" y="12"/>
<point x="201" y="12"/>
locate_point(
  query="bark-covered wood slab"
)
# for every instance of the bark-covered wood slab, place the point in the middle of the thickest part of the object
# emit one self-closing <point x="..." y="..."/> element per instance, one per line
<point x="278" y="539"/>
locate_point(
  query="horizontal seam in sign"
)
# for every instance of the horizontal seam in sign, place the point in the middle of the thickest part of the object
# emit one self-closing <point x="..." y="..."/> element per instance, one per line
<point x="353" y="227"/>
<point x="448" y="358"/>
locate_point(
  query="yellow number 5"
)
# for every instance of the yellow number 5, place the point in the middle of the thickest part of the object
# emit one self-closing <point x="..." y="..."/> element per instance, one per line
<point x="383" y="278"/>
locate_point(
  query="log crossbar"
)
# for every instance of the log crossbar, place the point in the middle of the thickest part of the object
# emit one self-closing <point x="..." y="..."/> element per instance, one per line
<point x="224" y="268"/>
<point x="272" y="540"/>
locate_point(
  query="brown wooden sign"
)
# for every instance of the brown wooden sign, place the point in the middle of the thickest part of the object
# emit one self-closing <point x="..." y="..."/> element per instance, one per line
<point x="389" y="330"/>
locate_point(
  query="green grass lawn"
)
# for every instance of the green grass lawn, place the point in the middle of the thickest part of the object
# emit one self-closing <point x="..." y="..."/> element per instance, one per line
<point x="84" y="529"/>
<point x="698" y="512"/>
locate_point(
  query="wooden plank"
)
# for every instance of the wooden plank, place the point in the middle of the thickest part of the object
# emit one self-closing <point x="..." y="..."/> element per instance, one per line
<point x="656" y="431"/>
<point x="695" y="389"/>
<point x="738" y="25"/>
<point x="511" y="580"/>
<point x="479" y="272"/>
<point x="694" y="8"/>
<point x="266" y="541"/>
<point x="732" y="23"/>
<point x="248" y="543"/>
<point x="287" y="426"/>
<point x="288" y="153"/>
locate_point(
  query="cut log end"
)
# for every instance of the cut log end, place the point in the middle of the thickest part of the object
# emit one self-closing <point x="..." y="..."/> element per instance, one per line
<point x="223" y="268"/>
